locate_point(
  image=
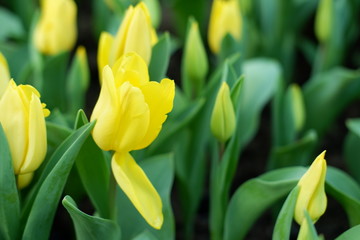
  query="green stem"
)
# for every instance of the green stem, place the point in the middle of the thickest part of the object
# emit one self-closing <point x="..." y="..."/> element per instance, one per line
<point x="112" y="197"/>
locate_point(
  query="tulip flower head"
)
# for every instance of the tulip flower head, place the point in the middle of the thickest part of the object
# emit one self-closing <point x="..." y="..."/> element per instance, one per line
<point x="4" y="74"/>
<point x="23" y="120"/>
<point x="129" y="115"/>
<point x="225" y="18"/>
<point x="312" y="197"/>
<point x="223" y="120"/>
<point x="135" y="34"/>
<point x="56" y="29"/>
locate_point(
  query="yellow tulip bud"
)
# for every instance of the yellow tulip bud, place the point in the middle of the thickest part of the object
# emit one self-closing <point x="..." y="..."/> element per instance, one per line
<point x="324" y="20"/>
<point x="131" y="109"/>
<point x="23" y="180"/>
<point x="223" y="121"/>
<point x="225" y="18"/>
<point x="312" y="196"/>
<point x="4" y="74"/>
<point x="135" y="34"/>
<point x="23" y="119"/>
<point x="195" y="63"/>
<point x="56" y="29"/>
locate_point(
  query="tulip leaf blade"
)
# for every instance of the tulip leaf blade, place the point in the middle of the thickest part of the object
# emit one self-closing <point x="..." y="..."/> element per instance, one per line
<point x="9" y="199"/>
<point x="90" y="227"/>
<point x="91" y="161"/>
<point x="346" y="191"/>
<point x="50" y="186"/>
<point x="253" y="197"/>
<point x="160" y="171"/>
<point x="352" y="233"/>
<point x="160" y="58"/>
<point x="13" y="27"/>
<point x="285" y="217"/>
<point x="351" y="148"/>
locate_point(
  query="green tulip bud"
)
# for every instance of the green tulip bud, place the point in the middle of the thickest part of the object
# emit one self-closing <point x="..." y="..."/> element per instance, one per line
<point x="195" y="64"/>
<point x="324" y="20"/>
<point x="223" y="120"/>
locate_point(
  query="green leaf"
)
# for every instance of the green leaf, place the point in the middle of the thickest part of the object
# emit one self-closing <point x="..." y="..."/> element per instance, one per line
<point x="285" y="217"/>
<point x="94" y="172"/>
<point x="11" y="26"/>
<point x="256" y="91"/>
<point x="160" y="58"/>
<point x="56" y="134"/>
<point x="253" y="197"/>
<point x="311" y="233"/>
<point x="160" y="171"/>
<point x="53" y="86"/>
<point x="293" y="154"/>
<point x="351" y="148"/>
<point x="351" y="234"/>
<point x="9" y="199"/>
<point x="77" y="81"/>
<point x="146" y="235"/>
<point x="326" y="94"/>
<point x="50" y="186"/>
<point x="346" y="191"/>
<point x="89" y="227"/>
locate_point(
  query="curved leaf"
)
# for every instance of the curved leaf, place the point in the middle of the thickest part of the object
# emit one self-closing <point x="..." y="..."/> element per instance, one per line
<point x="90" y="227"/>
<point x="351" y="234"/>
<point x="43" y="209"/>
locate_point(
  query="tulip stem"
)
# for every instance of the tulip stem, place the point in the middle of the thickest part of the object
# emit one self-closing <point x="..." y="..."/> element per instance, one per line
<point x="112" y="197"/>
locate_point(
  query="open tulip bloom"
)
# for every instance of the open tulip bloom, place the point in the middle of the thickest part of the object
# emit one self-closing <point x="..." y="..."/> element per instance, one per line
<point x="129" y="115"/>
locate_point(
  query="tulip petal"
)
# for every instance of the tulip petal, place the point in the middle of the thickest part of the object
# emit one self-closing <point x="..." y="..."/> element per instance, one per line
<point x="159" y="97"/>
<point x="119" y="42"/>
<point x="23" y="180"/>
<point x="132" y="68"/>
<point x="105" y="44"/>
<point x="134" y="118"/>
<point x="312" y="193"/>
<point x="135" y="184"/>
<point x="37" y="144"/>
<point x="105" y="111"/>
<point x="13" y="119"/>
<point x="139" y="36"/>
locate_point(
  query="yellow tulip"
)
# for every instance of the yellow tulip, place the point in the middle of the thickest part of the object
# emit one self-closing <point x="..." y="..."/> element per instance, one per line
<point x="56" y="29"/>
<point x="223" y="120"/>
<point x="23" y="119"/>
<point x="129" y="115"/>
<point x="135" y="34"/>
<point x="225" y="18"/>
<point x="312" y="196"/>
<point x="4" y="74"/>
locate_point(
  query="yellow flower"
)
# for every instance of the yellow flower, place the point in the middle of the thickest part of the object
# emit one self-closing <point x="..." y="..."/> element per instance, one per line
<point x="223" y="120"/>
<point x="56" y="29"/>
<point x="225" y="18"/>
<point x="23" y="119"/>
<point x="129" y="115"/>
<point x="312" y="196"/>
<point x="135" y="34"/>
<point x="4" y="74"/>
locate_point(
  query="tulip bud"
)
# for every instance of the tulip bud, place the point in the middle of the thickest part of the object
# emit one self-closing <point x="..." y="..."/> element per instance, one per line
<point x="23" y="119"/>
<point x="312" y="196"/>
<point x="23" y="180"/>
<point x="195" y="64"/>
<point x="56" y="29"/>
<point x="4" y="74"/>
<point x="297" y="106"/>
<point x="225" y="18"/>
<point x="324" y="20"/>
<point x="223" y="121"/>
<point x="135" y="34"/>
